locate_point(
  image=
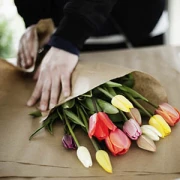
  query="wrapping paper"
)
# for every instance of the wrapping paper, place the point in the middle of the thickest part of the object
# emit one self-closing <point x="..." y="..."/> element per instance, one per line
<point x="45" y="157"/>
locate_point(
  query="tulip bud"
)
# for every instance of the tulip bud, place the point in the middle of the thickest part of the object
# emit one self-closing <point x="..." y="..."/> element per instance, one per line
<point x="84" y="156"/>
<point x="146" y="143"/>
<point x="160" y="124"/>
<point x="169" y="113"/>
<point x="121" y="103"/>
<point x="103" y="159"/>
<point x="132" y="129"/>
<point x="68" y="142"/>
<point x="151" y="132"/>
<point x="135" y="114"/>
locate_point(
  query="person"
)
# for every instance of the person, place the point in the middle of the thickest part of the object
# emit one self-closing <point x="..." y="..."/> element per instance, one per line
<point x="77" y="21"/>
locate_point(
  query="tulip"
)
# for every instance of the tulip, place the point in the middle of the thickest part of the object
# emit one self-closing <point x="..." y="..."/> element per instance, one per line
<point x="132" y="129"/>
<point x="135" y="114"/>
<point x="68" y="142"/>
<point x="169" y="113"/>
<point x="160" y="124"/>
<point x="99" y="125"/>
<point x="103" y="159"/>
<point x="146" y="143"/>
<point x="121" y="103"/>
<point x="151" y="132"/>
<point x="117" y="142"/>
<point x="84" y="156"/>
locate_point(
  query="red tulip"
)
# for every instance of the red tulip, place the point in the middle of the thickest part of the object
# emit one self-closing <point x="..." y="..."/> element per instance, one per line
<point x="99" y="125"/>
<point x="117" y="142"/>
<point x="132" y="129"/>
<point x="169" y="113"/>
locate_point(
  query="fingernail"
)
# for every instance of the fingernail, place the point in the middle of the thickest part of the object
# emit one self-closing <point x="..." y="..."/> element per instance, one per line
<point x="43" y="107"/>
<point x="29" y="103"/>
<point x="51" y="106"/>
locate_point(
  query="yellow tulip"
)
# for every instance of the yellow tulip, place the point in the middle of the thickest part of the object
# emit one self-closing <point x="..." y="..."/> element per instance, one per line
<point x="103" y="159"/>
<point x="160" y="124"/>
<point x="121" y="103"/>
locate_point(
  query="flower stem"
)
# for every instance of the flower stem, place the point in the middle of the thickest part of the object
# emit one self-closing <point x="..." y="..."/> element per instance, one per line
<point x="83" y="118"/>
<point x="94" y="104"/>
<point x="71" y="131"/>
<point x="155" y="106"/>
<point x="125" y="118"/>
<point x="95" y="144"/>
<point x="86" y="125"/>
<point x="105" y="92"/>
<point x="138" y="105"/>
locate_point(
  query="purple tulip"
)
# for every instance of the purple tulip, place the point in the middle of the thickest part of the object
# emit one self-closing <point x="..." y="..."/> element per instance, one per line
<point x="68" y="142"/>
<point x="132" y="129"/>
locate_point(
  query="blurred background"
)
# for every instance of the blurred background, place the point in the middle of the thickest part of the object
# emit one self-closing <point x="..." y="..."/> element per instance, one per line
<point x="12" y="27"/>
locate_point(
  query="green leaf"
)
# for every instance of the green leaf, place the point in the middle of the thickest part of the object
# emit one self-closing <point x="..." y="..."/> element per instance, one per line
<point x="116" y="118"/>
<point x="90" y="106"/>
<point x="35" y="114"/>
<point x="111" y="91"/>
<point x="112" y="84"/>
<point x="73" y="117"/>
<point x="107" y="107"/>
<point x="69" y="104"/>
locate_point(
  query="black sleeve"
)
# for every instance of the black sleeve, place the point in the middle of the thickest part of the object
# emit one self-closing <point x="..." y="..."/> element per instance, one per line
<point x="82" y="18"/>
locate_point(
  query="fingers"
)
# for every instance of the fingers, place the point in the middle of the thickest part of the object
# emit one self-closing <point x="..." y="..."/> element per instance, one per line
<point x="65" y="80"/>
<point x="36" y="94"/>
<point x="28" y="58"/>
<point x="44" y="103"/>
<point x="27" y="48"/>
<point x="55" y="91"/>
<point x="36" y="74"/>
<point x="54" y="75"/>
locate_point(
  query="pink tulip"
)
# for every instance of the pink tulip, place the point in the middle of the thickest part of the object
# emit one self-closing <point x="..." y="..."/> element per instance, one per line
<point x="117" y="142"/>
<point x="132" y="129"/>
<point x="169" y="113"/>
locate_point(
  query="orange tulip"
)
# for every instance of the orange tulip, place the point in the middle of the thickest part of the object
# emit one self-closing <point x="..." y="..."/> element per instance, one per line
<point x="117" y="142"/>
<point x="169" y="113"/>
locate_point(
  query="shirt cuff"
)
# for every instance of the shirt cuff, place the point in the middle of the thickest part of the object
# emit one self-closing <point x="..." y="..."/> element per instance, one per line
<point x="61" y="43"/>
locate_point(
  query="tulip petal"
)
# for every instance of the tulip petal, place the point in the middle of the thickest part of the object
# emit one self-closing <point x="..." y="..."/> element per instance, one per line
<point x="169" y="109"/>
<point x="84" y="156"/>
<point x="121" y="103"/>
<point x="114" y="150"/>
<point x="146" y="143"/>
<point x="106" y="120"/>
<point x="103" y="159"/>
<point x="135" y="114"/>
<point x="152" y="129"/>
<point x="92" y="124"/>
<point x="132" y="129"/>
<point x="165" y="116"/>
<point x="150" y="134"/>
<point x="119" y="139"/>
<point x="155" y="124"/>
<point x="162" y="122"/>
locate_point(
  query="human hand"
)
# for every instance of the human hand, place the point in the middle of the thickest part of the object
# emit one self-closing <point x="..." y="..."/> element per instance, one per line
<point x="28" y="48"/>
<point x="54" y="76"/>
<point x="35" y="37"/>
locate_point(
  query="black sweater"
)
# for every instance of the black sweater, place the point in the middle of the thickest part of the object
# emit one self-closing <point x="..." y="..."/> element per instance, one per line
<point x="77" y="20"/>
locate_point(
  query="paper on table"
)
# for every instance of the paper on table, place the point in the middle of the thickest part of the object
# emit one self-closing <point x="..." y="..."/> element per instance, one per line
<point x="44" y="149"/>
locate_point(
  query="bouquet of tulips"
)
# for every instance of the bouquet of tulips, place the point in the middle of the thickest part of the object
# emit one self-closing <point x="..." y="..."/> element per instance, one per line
<point x="113" y="117"/>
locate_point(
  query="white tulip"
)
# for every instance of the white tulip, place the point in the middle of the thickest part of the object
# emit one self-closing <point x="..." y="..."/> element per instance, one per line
<point x="84" y="156"/>
<point x="151" y="132"/>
